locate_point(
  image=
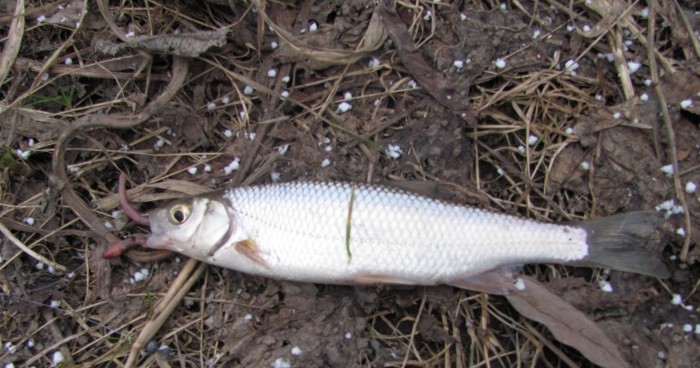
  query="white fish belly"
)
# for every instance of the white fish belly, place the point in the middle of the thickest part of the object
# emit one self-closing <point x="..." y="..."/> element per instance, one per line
<point x="337" y="232"/>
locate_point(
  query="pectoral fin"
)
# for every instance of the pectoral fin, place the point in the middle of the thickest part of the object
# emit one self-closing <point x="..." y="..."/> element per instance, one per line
<point x="498" y="281"/>
<point x="249" y="249"/>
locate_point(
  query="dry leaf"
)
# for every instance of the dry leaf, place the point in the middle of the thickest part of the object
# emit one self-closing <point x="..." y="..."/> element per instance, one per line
<point x="568" y="325"/>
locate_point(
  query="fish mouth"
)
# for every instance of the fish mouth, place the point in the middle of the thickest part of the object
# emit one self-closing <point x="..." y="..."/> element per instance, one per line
<point x="159" y="241"/>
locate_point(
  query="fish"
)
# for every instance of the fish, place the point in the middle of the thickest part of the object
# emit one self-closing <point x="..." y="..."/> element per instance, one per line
<point x="350" y="233"/>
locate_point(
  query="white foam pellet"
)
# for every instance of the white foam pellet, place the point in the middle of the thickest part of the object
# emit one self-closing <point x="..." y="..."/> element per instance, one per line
<point x="328" y="148"/>
<point x="689" y="308"/>
<point x="57" y="358"/>
<point x="192" y="170"/>
<point x="68" y="61"/>
<point x="690" y="187"/>
<point x="377" y="103"/>
<point x="130" y="34"/>
<point x="586" y="165"/>
<point x="45" y="77"/>
<point x="286" y="79"/>
<point x="463" y="16"/>
<point x="348" y="335"/>
<point x="536" y="33"/>
<point x="676" y="299"/>
<point x="275" y="176"/>
<point x="10" y="347"/>
<point x="283" y="149"/>
<point x="248" y="317"/>
<point x="686" y="103"/>
<point x="274" y="44"/>
<point x="519" y="284"/>
<point x="228" y="133"/>
<point x="54" y="304"/>
<point x="207" y="168"/>
<point x="500" y="63"/>
<point x="393" y="151"/>
<point x="586" y="28"/>
<point x="225" y="100"/>
<point x="296" y="351"/>
<point x="680" y="231"/>
<point x="70" y="275"/>
<point x="373" y="62"/>
<point x="284" y="94"/>
<point x="687" y="327"/>
<point x="647" y="82"/>
<point x="211" y="106"/>
<point x="569" y="130"/>
<point x="108" y="225"/>
<point x="570" y="27"/>
<point x="697" y="329"/>
<point x="571" y="65"/>
<point x="325" y="162"/>
<point x="521" y="149"/>
<point x="500" y="171"/>
<point x="30" y="343"/>
<point x="667" y="169"/>
<point x="617" y="115"/>
<point x="347" y="95"/>
<point x="644" y="13"/>
<point x="28" y="220"/>
<point x="39" y="266"/>
<point x="343" y="107"/>
<point x="30" y="142"/>
<point x="428" y="15"/>
<point x="503" y="6"/>
<point x="50" y="269"/>
<point x="458" y="64"/>
<point x="302" y="31"/>
<point x="281" y="363"/>
<point x="243" y="114"/>
<point x="24" y="154"/>
<point x="313" y="27"/>
<point x="605" y="286"/>
<point x="233" y="166"/>
<point x="633" y="66"/>
<point x="272" y="73"/>
<point x="644" y="97"/>
<point x="138" y="276"/>
<point x="41" y="19"/>
<point x="412" y="84"/>
<point x="248" y="90"/>
<point x="662" y="355"/>
<point x="531" y="140"/>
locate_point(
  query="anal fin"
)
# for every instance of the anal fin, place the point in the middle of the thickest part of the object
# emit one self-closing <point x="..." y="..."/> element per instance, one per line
<point x="497" y="281"/>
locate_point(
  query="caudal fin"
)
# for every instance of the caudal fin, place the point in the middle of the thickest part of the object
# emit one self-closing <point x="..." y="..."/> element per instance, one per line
<point x="618" y="241"/>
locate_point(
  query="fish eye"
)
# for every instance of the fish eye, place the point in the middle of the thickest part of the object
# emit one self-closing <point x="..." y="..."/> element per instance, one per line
<point x="179" y="214"/>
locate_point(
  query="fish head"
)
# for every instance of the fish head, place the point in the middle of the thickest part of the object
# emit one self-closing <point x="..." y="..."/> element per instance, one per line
<point x="195" y="227"/>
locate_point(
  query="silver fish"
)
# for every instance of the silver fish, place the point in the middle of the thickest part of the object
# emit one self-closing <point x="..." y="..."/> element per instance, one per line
<point x="344" y="233"/>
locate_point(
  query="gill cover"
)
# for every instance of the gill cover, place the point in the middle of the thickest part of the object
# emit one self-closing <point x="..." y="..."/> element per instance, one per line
<point x="193" y="227"/>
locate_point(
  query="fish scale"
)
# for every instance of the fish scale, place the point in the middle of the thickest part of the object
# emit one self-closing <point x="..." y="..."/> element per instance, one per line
<point x="300" y="229"/>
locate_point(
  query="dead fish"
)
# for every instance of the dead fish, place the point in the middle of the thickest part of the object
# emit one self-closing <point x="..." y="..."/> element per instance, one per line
<point x="345" y="233"/>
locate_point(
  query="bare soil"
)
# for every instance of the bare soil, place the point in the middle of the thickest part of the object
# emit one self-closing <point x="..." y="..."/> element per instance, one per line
<point x="555" y="110"/>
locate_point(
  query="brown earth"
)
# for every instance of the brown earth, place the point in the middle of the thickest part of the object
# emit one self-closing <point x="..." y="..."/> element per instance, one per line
<point x="565" y="129"/>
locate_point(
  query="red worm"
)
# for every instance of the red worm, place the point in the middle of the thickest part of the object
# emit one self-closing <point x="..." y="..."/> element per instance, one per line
<point x="118" y="248"/>
<point x="128" y="209"/>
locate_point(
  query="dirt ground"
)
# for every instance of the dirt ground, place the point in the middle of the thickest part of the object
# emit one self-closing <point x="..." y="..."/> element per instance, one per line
<point x="554" y="110"/>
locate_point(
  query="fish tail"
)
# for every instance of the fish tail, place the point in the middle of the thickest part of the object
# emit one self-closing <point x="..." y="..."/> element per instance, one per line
<point x="618" y="241"/>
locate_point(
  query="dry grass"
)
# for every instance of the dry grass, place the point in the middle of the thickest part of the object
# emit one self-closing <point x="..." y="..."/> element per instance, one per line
<point x="173" y="96"/>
